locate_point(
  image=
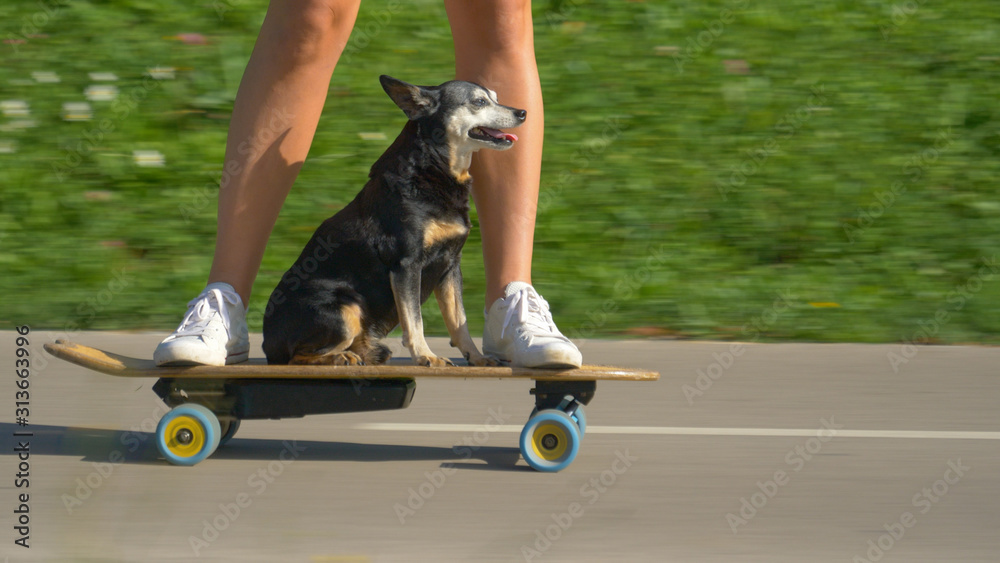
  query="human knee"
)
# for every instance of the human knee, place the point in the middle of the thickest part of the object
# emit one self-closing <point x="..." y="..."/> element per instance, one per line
<point x="326" y="16"/>
<point x="317" y="29"/>
<point x="512" y="30"/>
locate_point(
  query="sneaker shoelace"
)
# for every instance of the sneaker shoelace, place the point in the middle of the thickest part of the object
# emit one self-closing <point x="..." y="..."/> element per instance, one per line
<point x="200" y="312"/>
<point x="532" y="311"/>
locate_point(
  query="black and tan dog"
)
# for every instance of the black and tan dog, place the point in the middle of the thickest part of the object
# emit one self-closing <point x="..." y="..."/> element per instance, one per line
<point x="371" y="266"/>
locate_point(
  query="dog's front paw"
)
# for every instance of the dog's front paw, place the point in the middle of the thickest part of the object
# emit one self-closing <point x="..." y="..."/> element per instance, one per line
<point x="433" y="361"/>
<point x="338" y="359"/>
<point x="482" y="360"/>
<point x="348" y="359"/>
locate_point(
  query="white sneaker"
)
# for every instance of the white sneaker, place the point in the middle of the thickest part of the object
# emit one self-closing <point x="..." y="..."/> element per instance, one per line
<point x="213" y="332"/>
<point x="520" y="330"/>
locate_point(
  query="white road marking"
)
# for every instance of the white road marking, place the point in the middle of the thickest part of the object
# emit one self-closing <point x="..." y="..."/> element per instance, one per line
<point x="691" y="431"/>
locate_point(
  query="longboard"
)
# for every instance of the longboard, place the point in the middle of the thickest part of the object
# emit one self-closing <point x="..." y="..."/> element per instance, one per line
<point x="208" y="402"/>
<point x="256" y="368"/>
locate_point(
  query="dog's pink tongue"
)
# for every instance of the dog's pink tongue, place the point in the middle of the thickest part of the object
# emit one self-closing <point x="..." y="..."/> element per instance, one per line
<point x="497" y="134"/>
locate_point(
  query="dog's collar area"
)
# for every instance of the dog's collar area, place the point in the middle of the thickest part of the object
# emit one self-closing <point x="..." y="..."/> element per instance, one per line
<point x="492" y="135"/>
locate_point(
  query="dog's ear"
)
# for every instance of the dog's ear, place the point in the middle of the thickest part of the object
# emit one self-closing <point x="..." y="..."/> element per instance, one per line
<point x="415" y="101"/>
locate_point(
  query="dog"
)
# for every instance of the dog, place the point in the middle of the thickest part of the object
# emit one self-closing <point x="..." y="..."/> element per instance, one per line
<point x="371" y="266"/>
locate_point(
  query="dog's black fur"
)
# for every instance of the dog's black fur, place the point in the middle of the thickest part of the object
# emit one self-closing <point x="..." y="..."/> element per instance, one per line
<point x="371" y="266"/>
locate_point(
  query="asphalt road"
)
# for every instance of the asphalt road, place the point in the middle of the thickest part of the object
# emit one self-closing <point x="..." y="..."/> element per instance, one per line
<point x="779" y="453"/>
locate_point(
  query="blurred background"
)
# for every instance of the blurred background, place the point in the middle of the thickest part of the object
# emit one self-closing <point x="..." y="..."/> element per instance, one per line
<point x="820" y="171"/>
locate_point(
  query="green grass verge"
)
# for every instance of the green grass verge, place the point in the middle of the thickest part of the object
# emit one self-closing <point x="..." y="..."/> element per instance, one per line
<point x="783" y="170"/>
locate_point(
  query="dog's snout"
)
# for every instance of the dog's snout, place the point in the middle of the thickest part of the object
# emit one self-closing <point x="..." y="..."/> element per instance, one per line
<point x="520" y="114"/>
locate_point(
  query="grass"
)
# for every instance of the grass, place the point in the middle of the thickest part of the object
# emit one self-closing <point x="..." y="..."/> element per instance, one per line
<point x="733" y="170"/>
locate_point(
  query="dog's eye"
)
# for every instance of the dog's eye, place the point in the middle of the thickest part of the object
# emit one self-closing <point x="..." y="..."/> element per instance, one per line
<point x="479" y="102"/>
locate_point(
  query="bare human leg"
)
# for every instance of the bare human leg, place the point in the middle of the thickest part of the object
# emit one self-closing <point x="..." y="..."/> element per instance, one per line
<point x="495" y="47"/>
<point x="274" y="119"/>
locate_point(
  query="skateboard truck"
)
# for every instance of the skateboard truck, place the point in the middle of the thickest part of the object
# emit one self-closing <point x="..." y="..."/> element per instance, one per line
<point x="549" y="394"/>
